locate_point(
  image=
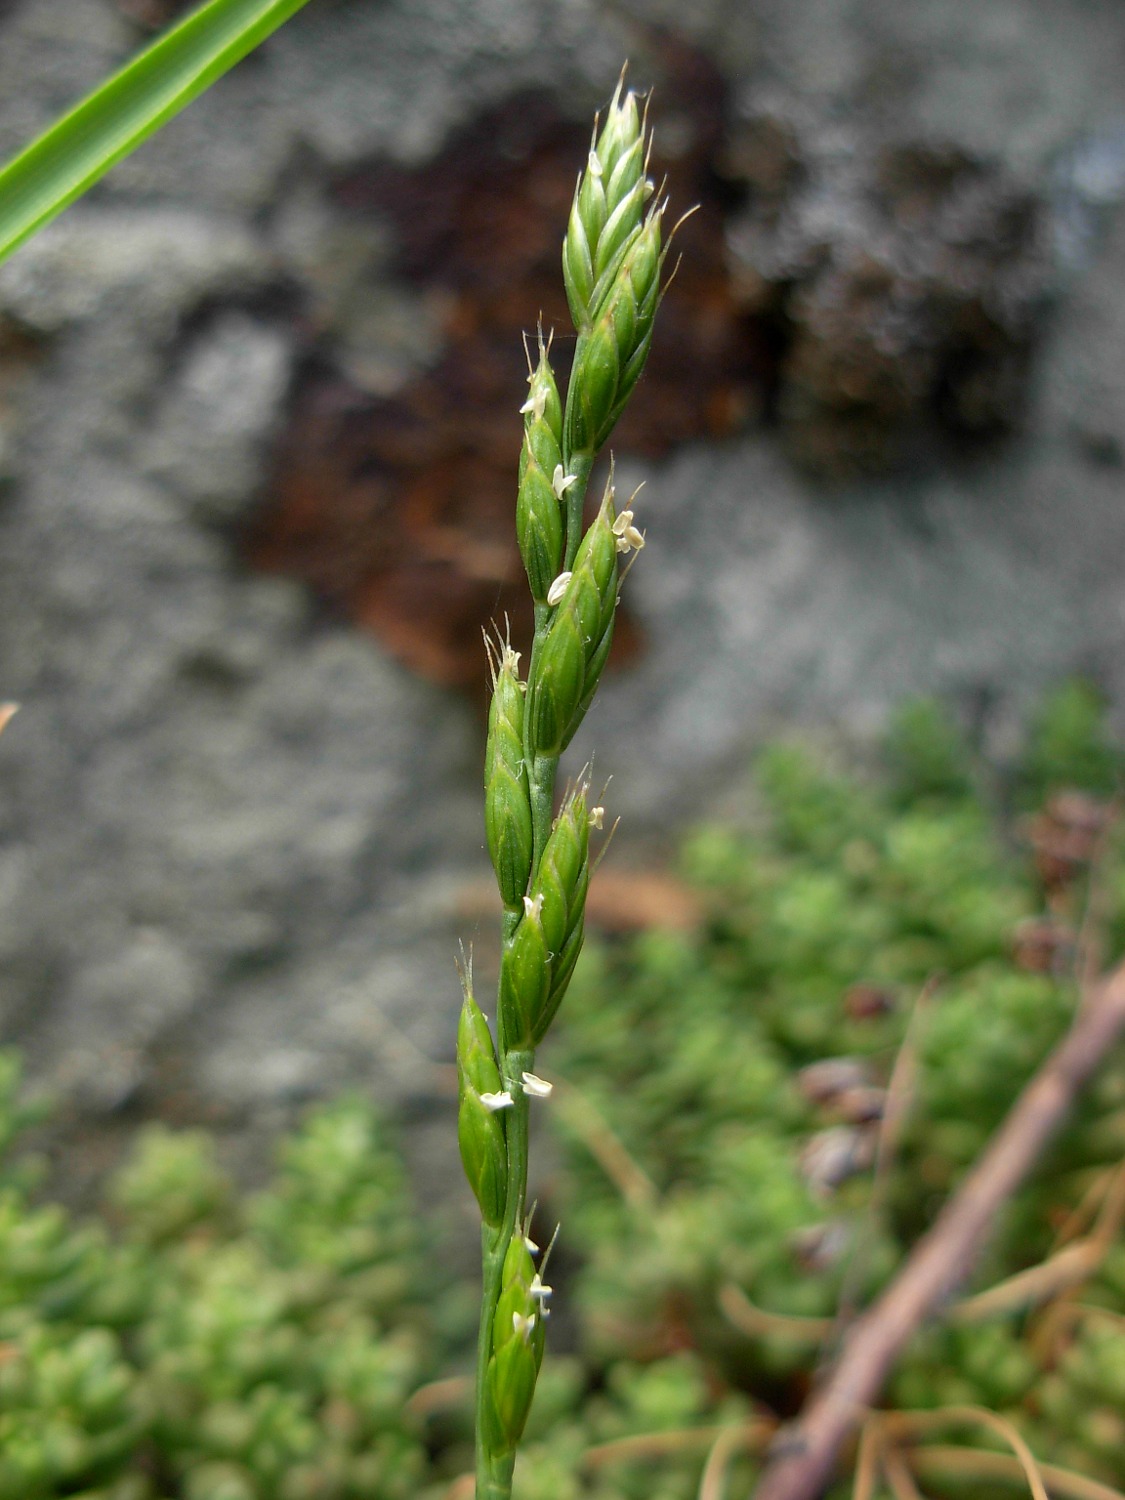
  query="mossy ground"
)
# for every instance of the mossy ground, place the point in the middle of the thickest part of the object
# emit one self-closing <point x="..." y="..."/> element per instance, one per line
<point x="716" y="1183"/>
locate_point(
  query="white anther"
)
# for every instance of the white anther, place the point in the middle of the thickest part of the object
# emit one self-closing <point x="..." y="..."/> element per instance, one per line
<point x="523" y="1326"/>
<point x="558" y="589"/>
<point x="532" y="1247"/>
<point x="561" y="481"/>
<point x="538" y="1291"/>
<point x="535" y="404"/>
<point x="628" y="537"/>
<point x="511" y="660"/>
<point x="496" y="1102"/>
<point x="596" y="816"/>
<point x="533" y="907"/>
<point x="594" y="163"/>
<point x="538" y="1088"/>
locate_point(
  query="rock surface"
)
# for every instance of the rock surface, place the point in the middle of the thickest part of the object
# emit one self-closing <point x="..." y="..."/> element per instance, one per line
<point x="234" y="827"/>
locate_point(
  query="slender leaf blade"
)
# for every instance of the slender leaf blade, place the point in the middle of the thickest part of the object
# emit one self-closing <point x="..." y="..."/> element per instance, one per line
<point x="78" y="149"/>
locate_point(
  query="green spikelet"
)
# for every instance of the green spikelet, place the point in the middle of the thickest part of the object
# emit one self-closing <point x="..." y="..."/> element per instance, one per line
<point x="611" y="354"/>
<point x="563" y="966"/>
<point x="480" y="1130"/>
<point x="607" y="211"/>
<point x="563" y="880"/>
<point x="507" y="806"/>
<point x="539" y="521"/>
<point x="564" y="859"/>
<point x="518" y="1339"/>
<point x="525" y="978"/>
<point x="567" y="667"/>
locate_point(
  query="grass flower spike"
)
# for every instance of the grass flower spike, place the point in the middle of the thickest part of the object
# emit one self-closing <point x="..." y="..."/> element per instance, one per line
<point x="539" y="521"/>
<point x="518" y="1338"/>
<point x="576" y="642"/>
<point x="608" y="360"/>
<point x="507" y="806"/>
<point x="612" y="259"/>
<point x="607" y="211"/>
<point x="480" y="1132"/>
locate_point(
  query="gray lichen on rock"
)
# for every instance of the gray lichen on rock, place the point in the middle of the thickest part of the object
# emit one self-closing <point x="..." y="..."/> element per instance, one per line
<point x="906" y="280"/>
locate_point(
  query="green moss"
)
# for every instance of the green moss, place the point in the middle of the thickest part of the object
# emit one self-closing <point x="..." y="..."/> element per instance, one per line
<point x="1070" y="746"/>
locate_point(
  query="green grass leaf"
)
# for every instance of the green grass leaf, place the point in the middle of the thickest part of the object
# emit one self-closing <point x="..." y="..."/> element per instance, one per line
<point x="125" y="110"/>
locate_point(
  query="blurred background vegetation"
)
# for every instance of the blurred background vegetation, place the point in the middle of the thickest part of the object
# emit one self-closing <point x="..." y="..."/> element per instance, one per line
<point x="718" y="1121"/>
<point x="258" y="432"/>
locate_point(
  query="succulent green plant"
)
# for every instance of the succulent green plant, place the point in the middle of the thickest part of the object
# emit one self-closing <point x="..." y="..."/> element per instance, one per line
<point x="215" y="1345"/>
<point x="613" y="254"/>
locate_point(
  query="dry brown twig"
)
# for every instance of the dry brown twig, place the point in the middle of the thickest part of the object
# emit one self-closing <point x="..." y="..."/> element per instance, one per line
<point x="899" y="1476"/>
<point x="755" y="1322"/>
<point x="731" y="1441"/>
<point x="805" y="1455"/>
<point x="888" y="1443"/>
<point x="950" y="1462"/>
<point x="867" y="1463"/>
<point x="908" y="1423"/>
<point x="751" y="1436"/>
<point x="1061" y="1273"/>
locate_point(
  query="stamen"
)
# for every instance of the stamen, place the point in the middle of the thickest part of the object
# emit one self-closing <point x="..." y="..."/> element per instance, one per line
<point x="558" y="589"/>
<point x="497" y="1102"/>
<point x="562" y="481"/>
